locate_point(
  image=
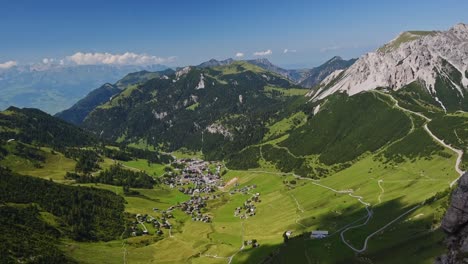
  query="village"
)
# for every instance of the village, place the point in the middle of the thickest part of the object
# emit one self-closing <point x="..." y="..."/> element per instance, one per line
<point x="196" y="178"/>
<point x="202" y="181"/>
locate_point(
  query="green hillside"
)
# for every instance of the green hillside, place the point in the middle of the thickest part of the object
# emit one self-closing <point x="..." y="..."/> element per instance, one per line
<point x="229" y="113"/>
<point x="347" y="127"/>
<point x="78" y="112"/>
<point x="34" y="126"/>
<point x="51" y="211"/>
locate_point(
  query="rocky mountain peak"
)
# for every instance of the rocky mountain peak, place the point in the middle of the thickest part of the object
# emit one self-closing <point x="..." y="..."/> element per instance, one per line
<point x="263" y="61"/>
<point x="182" y="71"/>
<point x="460" y="27"/>
<point x="460" y="30"/>
<point x="335" y="58"/>
<point x="215" y="62"/>
<point x="416" y="56"/>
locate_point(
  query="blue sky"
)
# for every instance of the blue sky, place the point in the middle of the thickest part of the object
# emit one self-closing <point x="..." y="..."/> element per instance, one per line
<point x="195" y="31"/>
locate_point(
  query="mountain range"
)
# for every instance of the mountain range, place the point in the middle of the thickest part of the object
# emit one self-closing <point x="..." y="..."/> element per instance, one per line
<point x="77" y="113"/>
<point x="306" y="78"/>
<point x="301" y="78"/>
<point x="54" y="87"/>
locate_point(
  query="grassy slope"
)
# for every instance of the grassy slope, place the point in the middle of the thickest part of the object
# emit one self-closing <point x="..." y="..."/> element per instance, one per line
<point x="54" y="167"/>
<point x="405" y="185"/>
<point x="346" y="127"/>
<point x="285" y="125"/>
<point x="453" y="128"/>
<point x="403" y="38"/>
<point x="153" y="169"/>
<point x="416" y="97"/>
<point x="287" y="92"/>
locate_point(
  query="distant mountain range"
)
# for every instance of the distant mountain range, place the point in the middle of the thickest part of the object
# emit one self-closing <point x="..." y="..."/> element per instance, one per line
<point x="54" y="87"/>
<point x="78" y="112"/>
<point x="316" y="75"/>
<point x="303" y="78"/>
<point x="307" y="78"/>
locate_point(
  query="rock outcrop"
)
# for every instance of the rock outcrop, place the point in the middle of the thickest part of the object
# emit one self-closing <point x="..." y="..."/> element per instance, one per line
<point x="455" y="224"/>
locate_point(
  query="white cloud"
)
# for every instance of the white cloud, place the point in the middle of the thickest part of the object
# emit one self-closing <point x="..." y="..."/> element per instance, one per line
<point x="289" y="51"/>
<point x="48" y="60"/>
<point x="239" y="54"/>
<point x="8" y="64"/>
<point x="330" y="48"/>
<point x="128" y="58"/>
<point x="263" y="53"/>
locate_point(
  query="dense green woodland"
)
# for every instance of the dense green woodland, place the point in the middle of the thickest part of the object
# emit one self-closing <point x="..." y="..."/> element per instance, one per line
<point x="87" y="160"/>
<point x="119" y="176"/>
<point x="26" y="238"/>
<point x="34" y="126"/>
<point x="454" y="130"/>
<point x="346" y="127"/>
<point x="85" y="213"/>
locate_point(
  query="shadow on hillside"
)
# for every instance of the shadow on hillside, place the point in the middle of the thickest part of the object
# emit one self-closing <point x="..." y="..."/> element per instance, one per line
<point x="398" y="242"/>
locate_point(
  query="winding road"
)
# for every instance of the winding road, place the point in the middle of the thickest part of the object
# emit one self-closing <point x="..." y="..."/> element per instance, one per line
<point x="458" y="151"/>
<point x="379" y="182"/>
<point x="350" y="225"/>
<point x="440" y="141"/>
<point x="364" y="247"/>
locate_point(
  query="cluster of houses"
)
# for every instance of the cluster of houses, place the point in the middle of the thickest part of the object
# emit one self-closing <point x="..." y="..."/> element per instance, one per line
<point x="243" y="190"/>
<point x="158" y="224"/>
<point x="196" y="189"/>
<point x="254" y="243"/>
<point x="201" y="183"/>
<point x="194" y="178"/>
<point x="249" y="208"/>
<point x="193" y="208"/>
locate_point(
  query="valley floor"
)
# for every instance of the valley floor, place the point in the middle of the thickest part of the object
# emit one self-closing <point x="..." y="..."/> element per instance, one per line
<point x="368" y="208"/>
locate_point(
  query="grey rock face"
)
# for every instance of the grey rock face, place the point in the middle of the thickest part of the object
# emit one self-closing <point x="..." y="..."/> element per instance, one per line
<point x="408" y="58"/>
<point x="457" y="214"/>
<point x="455" y="223"/>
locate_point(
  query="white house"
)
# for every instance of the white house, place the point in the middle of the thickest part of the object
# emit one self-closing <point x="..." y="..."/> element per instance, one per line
<point x="318" y="234"/>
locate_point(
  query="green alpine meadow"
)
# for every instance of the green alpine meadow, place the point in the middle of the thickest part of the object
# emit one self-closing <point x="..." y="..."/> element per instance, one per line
<point x="110" y="156"/>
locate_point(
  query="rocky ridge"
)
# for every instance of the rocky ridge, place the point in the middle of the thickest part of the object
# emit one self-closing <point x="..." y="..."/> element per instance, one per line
<point x="423" y="57"/>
